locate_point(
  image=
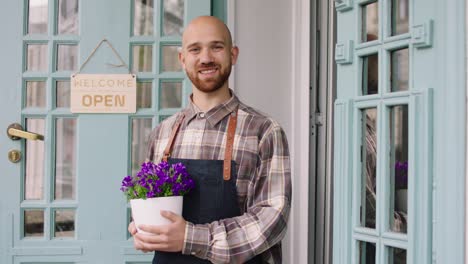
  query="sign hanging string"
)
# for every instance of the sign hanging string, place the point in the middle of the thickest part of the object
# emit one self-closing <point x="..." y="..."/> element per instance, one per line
<point x="123" y="64"/>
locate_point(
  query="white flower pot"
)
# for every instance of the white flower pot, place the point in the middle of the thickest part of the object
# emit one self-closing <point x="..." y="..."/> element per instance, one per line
<point x="148" y="212"/>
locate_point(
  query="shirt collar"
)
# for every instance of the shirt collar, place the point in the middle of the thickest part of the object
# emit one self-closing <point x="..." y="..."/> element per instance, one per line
<point x="215" y="114"/>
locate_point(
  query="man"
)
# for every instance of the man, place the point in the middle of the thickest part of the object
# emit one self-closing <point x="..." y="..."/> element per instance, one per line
<point x="239" y="158"/>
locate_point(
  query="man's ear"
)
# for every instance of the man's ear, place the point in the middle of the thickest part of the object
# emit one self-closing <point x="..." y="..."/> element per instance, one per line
<point x="182" y="59"/>
<point x="234" y="54"/>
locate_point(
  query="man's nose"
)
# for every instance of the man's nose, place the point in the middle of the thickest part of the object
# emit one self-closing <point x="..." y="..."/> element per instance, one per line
<point x="206" y="56"/>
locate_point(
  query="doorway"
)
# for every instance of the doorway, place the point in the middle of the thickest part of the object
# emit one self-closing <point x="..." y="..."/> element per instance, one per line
<point x="322" y="96"/>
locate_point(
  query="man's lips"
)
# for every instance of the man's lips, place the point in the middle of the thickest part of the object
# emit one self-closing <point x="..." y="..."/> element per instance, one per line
<point x="208" y="71"/>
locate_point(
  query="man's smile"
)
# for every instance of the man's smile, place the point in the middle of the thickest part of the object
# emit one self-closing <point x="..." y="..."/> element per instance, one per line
<point x="208" y="72"/>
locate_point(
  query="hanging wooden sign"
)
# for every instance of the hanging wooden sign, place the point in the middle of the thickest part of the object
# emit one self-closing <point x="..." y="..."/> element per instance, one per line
<point x="103" y="93"/>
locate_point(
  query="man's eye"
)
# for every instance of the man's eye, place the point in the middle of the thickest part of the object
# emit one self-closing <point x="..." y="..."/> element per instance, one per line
<point x="218" y="47"/>
<point x="194" y="50"/>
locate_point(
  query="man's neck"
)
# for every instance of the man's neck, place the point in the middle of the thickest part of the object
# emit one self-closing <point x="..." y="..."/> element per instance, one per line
<point x="206" y="101"/>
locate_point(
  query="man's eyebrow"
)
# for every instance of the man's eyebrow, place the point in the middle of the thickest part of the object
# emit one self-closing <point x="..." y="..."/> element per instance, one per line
<point x="212" y="42"/>
<point x="193" y="44"/>
<point x="218" y="42"/>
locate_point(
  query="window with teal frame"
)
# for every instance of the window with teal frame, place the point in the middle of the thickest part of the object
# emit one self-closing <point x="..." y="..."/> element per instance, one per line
<point x="383" y="143"/>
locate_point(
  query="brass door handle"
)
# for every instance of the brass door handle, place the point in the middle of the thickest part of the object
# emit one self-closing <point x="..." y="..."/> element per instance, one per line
<point x="15" y="132"/>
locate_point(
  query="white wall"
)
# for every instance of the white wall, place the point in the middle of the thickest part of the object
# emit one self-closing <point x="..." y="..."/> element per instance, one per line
<point x="263" y="74"/>
<point x="272" y="75"/>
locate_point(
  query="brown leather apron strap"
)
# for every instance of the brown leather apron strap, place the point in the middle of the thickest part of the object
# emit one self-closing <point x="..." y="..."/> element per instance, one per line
<point x="231" y="132"/>
<point x="170" y="143"/>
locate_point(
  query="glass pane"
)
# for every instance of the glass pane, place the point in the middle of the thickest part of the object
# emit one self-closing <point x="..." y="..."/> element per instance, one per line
<point x="370" y="22"/>
<point x="33" y="223"/>
<point x="64" y="225"/>
<point x="67" y="17"/>
<point x="397" y="256"/>
<point x="141" y="129"/>
<point x="369" y="168"/>
<point x="370" y="74"/>
<point x="143" y="17"/>
<point x="170" y="59"/>
<point x="173" y="17"/>
<point x="366" y="253"/>
<point x="65" y="158"/>
<point x="63" y="93"/>
<point x="37" y="16"/>
<point x="399" y="168"/>
<point x="171" y="95"/>
<point x="142" y="58"/>
<point x="34" y="176"/>
<point x="400" y="17"/>
<point x="37" y="57"/>
<point x="67" y="57"/>
<point x="400" y="70"/>
<point x="144" y="94"/>
<point x="36" y="94"/>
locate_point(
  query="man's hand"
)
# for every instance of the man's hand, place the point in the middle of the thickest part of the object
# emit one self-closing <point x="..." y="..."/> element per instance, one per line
<point x="168" y="238"/>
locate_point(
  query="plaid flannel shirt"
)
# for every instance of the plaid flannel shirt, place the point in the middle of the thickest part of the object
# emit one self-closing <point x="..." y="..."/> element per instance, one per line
<point x="263" y="180"/>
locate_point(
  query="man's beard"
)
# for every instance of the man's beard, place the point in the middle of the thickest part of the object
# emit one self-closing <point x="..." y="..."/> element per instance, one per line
<point x="211" y="84"/>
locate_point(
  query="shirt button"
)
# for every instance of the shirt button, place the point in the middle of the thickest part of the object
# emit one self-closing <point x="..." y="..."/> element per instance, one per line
<point x="202" y="115"/>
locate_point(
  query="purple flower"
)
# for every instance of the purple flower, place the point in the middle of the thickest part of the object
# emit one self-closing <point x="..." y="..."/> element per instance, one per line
<point x="158" y="180"/>
<point x="401" y="175"/>
<point x="126" y="183"/>
<point x="150" y="194"/>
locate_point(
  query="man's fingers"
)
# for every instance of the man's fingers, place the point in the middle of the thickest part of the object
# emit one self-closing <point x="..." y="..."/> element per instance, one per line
<point x="131" y="228"/>
<point x="170" y="215"/>
<point x="151" y="239"/>
<point x="141" y="246"/>
<point x="162" y="238"/>
<point x="148" y="243"/>
<point x="152" y="229"/>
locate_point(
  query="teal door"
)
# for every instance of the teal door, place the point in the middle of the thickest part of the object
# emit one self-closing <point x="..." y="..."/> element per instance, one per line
<point x="383" y="132"/>
<point x="60" y="202"/>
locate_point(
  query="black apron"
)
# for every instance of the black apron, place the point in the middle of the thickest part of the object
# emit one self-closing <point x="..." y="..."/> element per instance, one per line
<point x="214" y="196"/>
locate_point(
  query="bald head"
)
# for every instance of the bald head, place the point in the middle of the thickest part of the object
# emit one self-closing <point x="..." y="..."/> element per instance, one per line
<point x="207" y="55"/>
<point x="203" y="25"/>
